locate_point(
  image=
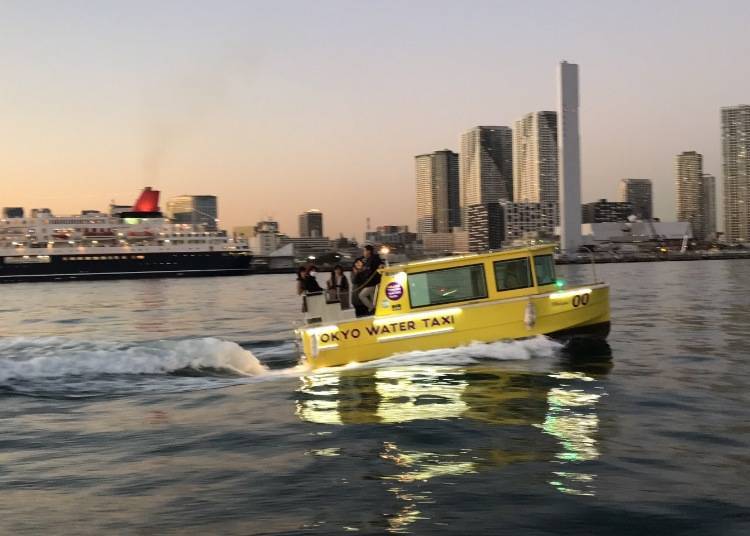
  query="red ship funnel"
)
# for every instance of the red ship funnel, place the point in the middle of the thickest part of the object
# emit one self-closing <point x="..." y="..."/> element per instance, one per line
<point x="148" y="201"/>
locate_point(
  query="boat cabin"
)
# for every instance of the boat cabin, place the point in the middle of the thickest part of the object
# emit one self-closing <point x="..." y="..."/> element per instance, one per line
<point x="461" y="280"/>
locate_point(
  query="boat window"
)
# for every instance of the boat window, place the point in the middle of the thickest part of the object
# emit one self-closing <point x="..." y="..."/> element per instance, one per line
<point x="447" y="286"/>
<point x="544" y="265"/>
<point x="512" y="274"/>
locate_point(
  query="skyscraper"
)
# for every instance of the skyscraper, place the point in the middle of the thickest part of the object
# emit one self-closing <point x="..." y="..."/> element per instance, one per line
<point x="438" y="208"/>
<point x="535" y="162"/>
<point x="689" y="183"/>
<point x="486" y="170"/>
<point x="735" y="142"/>
<point x="569" y="154"/>
<point x="709" y="205"/>
<point x="638" y="193"/>
<point x="311" y="224"/>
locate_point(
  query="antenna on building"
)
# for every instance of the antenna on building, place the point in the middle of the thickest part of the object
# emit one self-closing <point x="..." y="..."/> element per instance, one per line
<point x="367" y="226"/>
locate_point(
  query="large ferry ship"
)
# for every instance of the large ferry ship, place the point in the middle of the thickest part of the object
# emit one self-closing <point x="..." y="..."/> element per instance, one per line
<point x="131" y="242"/>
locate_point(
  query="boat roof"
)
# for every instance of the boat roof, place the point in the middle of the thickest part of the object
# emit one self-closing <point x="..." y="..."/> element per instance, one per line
<point x="468" y="258"/>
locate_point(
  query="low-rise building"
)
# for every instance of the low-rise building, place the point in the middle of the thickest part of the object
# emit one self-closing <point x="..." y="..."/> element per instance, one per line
<point x="396" y="237"/>
<point x="637" y="232"/>
<point x="306" y="247"/>
<point x="438" y="243"/>
<point x="602" y="211"/>
<point x="12" y="212"/>
<point x="194" y="210"/>
<point x="263" y="237"/>
<point x="497" y="225"/>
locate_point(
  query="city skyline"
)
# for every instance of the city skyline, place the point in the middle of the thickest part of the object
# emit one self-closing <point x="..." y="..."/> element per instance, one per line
<point x="275" y="107"/>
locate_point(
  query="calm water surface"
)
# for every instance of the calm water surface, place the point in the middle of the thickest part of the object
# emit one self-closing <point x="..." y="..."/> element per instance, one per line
<point x="175" y="406"/>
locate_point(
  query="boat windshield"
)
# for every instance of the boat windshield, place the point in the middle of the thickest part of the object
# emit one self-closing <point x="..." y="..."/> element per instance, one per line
<point x="544" y="265"/>
<point x="449" y="285"/>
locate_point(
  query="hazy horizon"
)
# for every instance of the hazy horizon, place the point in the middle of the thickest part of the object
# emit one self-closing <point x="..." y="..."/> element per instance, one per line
<point x="279" y="108"/>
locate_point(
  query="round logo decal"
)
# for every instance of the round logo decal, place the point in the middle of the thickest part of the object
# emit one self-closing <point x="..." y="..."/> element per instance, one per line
<point x="394" y="291"/>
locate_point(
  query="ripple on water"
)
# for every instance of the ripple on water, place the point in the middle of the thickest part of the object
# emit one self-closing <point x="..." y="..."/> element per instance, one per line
<point x="147" y="418"/>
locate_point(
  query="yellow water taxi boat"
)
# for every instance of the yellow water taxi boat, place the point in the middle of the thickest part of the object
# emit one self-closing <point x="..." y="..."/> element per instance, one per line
<point x="454" y="301"/>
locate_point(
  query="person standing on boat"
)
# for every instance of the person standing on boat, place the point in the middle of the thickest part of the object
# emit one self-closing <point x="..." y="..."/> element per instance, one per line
<point x="301" y="273"/>
<point x="338" y="287"/>
<point x="310" y="283"/>
<point x="372" y="265"/>
<point x="358" y="279"/>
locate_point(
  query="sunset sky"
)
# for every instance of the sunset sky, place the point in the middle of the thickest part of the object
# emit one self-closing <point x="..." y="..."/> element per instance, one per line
<point x="278" y="107"/>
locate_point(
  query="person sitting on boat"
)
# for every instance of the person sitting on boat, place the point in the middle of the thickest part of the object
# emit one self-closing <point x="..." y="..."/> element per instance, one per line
<point x="372" y="265"/>
<point x="358" y="279"/>
<point x="306" y="283"/>
<point x="338" y="287"/>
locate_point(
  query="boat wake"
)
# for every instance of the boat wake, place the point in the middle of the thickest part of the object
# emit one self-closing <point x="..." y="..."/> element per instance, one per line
<point x="71" y="368"/>
<point x="57" y="365"/>
<point x="23" y="357"/>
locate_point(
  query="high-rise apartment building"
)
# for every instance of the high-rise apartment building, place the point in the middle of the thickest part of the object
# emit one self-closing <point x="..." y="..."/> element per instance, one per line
<point x="486" y="166"/>
<point x="709" y="205"/>
<point x="194" y="210"/>
<point x="735" y="144"/>
<point x="535" y="162"/>
<point x="438" y="208"/>
<point x="311" y="224"/>
<point x="638" y="193"/>
<point x="689" y="183"/>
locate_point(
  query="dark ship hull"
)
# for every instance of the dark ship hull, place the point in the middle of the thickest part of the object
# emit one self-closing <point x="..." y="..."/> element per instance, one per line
<point x="89" y="266"/>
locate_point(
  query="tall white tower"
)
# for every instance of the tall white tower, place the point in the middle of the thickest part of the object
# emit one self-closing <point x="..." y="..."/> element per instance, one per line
<point x="569" y="154"/>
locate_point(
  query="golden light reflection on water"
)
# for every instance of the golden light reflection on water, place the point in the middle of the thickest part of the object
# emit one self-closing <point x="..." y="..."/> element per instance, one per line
<point x="561" y="405"/>
<point x="416" y="466"/>
<point x="387" y="396"/>
<point x="413" y="466"/>
<point x="572" y="420"/>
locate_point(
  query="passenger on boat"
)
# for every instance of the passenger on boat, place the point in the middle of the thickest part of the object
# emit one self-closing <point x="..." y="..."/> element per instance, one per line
<point x="310" y="283"/>
<point x="372" y="265"/>
<point x="301" y="273"/>
<point x="307" y="284"/>
<point x="358" y="279"/>
<point x="338" y="287"/>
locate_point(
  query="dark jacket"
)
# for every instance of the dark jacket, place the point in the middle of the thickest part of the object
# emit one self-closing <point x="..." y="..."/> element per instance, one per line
<point x="343" y="284"/>
<point x="372" y="263"/>
<point x="358" y="280"/>
<point x="310" y="284"/>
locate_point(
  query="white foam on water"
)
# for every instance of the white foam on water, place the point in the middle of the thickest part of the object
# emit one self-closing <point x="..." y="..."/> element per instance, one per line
<point x="50" y="357"/>
<point x="475" y="352"/>
<point x="23" y="358"/>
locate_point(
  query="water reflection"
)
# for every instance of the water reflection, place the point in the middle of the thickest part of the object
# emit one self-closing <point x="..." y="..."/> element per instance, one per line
<point x="413" y="467"/>
<point x="524" y="406"/>
<point x="572" y="419"/>
<point x="152" y="297"/>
